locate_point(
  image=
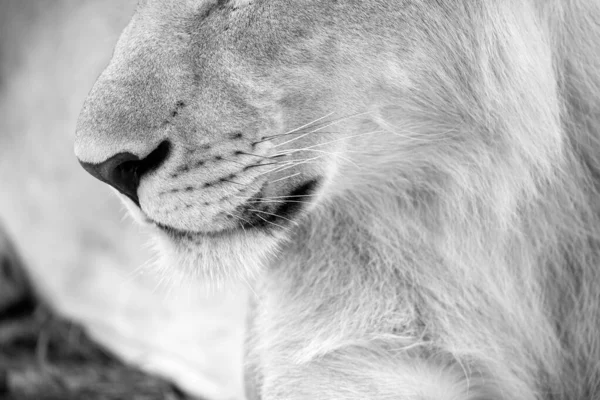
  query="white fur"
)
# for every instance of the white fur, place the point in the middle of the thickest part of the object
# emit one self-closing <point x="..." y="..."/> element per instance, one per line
<point x="452" y="251"/>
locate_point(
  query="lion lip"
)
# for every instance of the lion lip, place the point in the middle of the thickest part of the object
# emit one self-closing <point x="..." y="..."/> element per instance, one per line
<point x="174" y="232"/>
<point x="281" y="216"/>
<point x="284" y="213"/>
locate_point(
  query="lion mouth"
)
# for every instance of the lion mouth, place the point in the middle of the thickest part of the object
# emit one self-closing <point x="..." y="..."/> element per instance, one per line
<point x="276" y="212"/>
<point x="259" y="213"/>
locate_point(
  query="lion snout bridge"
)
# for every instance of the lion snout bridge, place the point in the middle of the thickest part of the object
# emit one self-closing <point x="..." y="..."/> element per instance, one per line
<point x="124" y="171"/>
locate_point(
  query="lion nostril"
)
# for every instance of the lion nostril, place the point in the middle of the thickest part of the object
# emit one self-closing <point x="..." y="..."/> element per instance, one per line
<point x="124" y="171"/>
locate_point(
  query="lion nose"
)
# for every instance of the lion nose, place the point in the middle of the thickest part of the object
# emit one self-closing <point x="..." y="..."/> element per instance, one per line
<point x="124" y="171"/>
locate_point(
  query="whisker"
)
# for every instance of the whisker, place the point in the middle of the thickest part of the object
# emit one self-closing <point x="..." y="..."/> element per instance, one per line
<point x="238" y="217"/>
<point x="281" y="165"/>
<point x="327" y="124"/>
<point x="300" y="127"/>
<point x="254" y="155"/>
<point x="280" y="155"/>
<point x="281" y="201"/>
<point x="320" y="128"/>
<point x="261" y="165"/>
<point x="312" y="122"/>
<point x="343" y="138"/>
<point x="235" y="162"/>
<point x="282" y="197"/>
<point x="288" y="197"/>
<point x="277" y="169"/>
<point x="308" y="124"/>
<point x="323" y="151"/>
<point x="286" y="177"/>
<point x="283" y="168"/>
<point x="237" y="183"/>
<point x="297" y="137"/>
<point x="269" y="222"/>
<point x="271" y="214"/>
<point x="270" y="137"/>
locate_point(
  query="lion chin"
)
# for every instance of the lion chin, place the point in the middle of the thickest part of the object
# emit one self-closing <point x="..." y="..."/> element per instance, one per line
<point x="217" y="260"/>
<point x="410" y="188"/>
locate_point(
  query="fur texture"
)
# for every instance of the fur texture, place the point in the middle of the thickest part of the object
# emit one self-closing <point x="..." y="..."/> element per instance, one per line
<point x="451" y="250"/>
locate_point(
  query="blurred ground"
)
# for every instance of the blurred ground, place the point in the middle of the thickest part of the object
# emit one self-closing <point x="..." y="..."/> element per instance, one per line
<point x="45" y="357"/>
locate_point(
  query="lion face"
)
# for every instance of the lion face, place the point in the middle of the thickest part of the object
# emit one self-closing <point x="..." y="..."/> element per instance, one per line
<point x="224" y="122"/>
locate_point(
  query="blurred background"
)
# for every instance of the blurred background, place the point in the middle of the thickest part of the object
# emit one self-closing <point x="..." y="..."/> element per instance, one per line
<point x="69" y="235"/>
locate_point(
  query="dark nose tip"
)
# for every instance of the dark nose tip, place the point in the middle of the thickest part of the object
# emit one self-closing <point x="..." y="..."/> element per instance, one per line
<point x="124" y="171"/>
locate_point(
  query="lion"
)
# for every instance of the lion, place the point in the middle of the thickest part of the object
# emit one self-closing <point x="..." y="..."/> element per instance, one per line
<point x="410" y="188"/>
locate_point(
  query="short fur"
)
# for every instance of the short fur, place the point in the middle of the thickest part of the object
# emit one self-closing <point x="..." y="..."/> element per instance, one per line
<point x="451" y="251"/>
